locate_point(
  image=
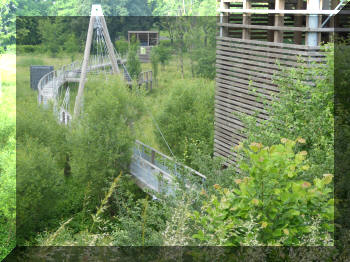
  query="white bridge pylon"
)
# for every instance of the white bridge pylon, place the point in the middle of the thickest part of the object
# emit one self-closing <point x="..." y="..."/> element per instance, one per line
<point x="98" y="21"/>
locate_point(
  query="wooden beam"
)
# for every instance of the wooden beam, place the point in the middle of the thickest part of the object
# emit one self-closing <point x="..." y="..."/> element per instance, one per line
<point x="298" y="21"/>
<point x="246" y="19"/>
<point x="279" y="21"/>
<point x="270" y="21"/>
<point x="279" y="28"/>
<point x="224" y="18"/>
<point x="267" y="11"/>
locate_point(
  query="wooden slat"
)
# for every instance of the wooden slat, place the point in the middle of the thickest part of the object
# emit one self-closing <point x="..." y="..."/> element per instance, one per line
<point x="270" y="49"/>
<point x="275" y="28"/>
<point x="253" y="58"/>
<point x="278" y="56"/>
<point x="244" y="105"/>
<point x="224" y="85"/>
<point x="253" y="84"/>
<point x="248" y="71"/>
<point x="255" y="81"/>
<point x="290" y="46"/>
<point x="233" y="136"/>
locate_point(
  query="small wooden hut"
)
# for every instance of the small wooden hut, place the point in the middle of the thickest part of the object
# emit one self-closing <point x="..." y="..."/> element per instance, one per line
<point x="147" y="40"/>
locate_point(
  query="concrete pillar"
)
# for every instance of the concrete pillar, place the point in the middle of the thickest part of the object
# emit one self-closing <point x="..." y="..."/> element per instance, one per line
<point x="313" y="22"/>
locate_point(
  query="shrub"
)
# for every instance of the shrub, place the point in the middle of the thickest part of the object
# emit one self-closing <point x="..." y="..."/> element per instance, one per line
<point x="122" y="46"/>
<point x="7" y="176"/>
<point x="101" y="144"/>
<point x="133" y="63"/>
<point x="163" y="52"/>
<point x="188" y="117"/>
<point x="205" y="60"/>
<point x="301" y="109"/>
<point x="25" y="49"/>
<point x="39" y="188"/>
<point x="270" y="204"/>
<point x="155" y="64"/>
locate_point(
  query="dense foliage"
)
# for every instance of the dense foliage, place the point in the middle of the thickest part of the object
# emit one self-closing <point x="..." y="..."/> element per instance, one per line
<point x="7" y="24"/>
<point x="270" y="204"/>
<point x="301" y="109"/>
<point x="67" y="161"/>
<point x="188" y="117"/>
<point x="122" y="46"/>
<point x="7" y="173"/>
<point x="133" y="65"/>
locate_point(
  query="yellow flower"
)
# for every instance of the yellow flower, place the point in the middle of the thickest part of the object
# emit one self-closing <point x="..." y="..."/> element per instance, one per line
<point x="303" y="153"/>
<point x="255" y="201"/>
<point x="284" y="140"/>
<point x="305" y="185"/>
<point x="327" y="178"/>
<point x="255" y="146"/>
<point x="306" y="167"/>
<point x="239" y="146"/>
<point x="264" y="224"/>
<point x="238" y="181"/>
<point x="286" y="231"/>
<point x="216" y="186"/>
<point x="301" y="140"/>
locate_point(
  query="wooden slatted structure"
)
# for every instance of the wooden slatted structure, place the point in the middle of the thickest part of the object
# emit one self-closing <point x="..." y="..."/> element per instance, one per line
<point x="257" y="39"/>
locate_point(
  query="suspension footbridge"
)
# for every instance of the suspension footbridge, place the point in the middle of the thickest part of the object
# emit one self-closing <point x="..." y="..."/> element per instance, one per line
<point x="151" y="169"/>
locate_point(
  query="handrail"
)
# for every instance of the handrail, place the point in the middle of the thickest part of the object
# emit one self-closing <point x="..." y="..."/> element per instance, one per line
<point x="171" y="159"/>
<point x="167" y="175"/>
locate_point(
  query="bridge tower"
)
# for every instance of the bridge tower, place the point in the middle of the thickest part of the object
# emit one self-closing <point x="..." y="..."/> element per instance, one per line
<point x="97" y="21"/>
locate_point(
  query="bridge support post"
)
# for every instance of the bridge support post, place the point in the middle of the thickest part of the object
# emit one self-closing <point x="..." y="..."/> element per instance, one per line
<point x="96" y="13"/>
<point x="84" y="67"/>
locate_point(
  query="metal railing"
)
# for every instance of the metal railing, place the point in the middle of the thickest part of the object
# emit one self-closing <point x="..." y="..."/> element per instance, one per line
<point x="160" y="172"/>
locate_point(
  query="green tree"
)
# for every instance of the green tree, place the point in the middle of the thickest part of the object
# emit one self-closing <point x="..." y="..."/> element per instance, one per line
<point x="122" y="46"/>
<point x="163" y="53"/>
<point x="7" y="24"/>
<point x="133" y="62"/>
<point x="72" y="46"/>
<point x="188" y="117"/>
<point x="101" y="143"/>
<point x="155" y="64"/>
<point x="52" y="33"/>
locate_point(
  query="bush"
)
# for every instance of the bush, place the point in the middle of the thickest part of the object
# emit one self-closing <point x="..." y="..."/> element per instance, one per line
<point x="270" y="204"/>
<point x="101" y="145"/>
<point x="164" y="53"/>
<point x="122" y="46"/>
<point x="188" y="117"/>
<point x="39" y="188"/>
<point x="301" y="109"/>
<point x="205" y="60"/>
<point x="41" y="157"/>
<point x="7" y="177"/>
<point x="133" y="62"/>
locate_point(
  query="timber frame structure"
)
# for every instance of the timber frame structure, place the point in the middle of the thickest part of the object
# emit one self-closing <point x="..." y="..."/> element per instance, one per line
<point x="147" y="39"/>
<point x="253" y="35"/>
